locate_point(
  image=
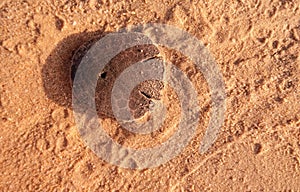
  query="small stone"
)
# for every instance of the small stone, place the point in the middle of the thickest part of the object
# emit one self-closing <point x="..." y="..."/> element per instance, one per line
<point x="9" y="44"/>
<point x="59" y="23"/>
<point x="275" y="44"/>
<point x="21" y="49"/>
<point x="257" y="148"/>
<point x="59" y="114"/>
<point x="31" y="24"/>
<point x="41" y="144"/>
<point x="61" y="143"/>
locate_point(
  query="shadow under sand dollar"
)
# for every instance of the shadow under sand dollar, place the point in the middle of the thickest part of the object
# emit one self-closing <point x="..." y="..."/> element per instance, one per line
<point x="56" y="72"/>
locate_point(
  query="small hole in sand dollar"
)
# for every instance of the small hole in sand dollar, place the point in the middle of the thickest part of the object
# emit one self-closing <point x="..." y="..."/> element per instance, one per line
<point x="257" y="148"/>
<point x="103" y="75"/>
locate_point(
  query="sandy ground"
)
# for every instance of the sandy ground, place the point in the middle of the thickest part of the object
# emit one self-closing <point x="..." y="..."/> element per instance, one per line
<point x="256" y="44"/>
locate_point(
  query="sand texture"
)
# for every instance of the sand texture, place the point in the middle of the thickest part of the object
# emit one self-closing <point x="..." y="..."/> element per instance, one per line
<point x="255" y="43"/>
